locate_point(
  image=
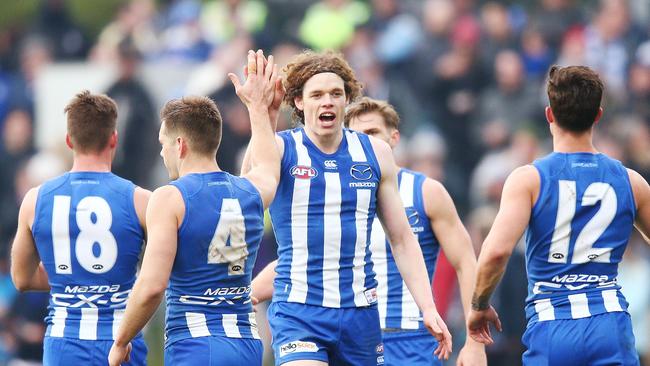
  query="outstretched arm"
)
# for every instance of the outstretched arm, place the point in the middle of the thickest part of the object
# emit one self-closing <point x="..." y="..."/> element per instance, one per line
<point x="27" y="273"/>
<point x="405" y="248"/>
<point x="509" y="225"/>
<point x="164" y="214"/>
<point x="457" y="246"/>
<point x="257" y="93"/>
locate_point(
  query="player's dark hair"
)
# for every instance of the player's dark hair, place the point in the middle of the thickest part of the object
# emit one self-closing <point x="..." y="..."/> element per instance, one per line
<point x="197" y="119"/>
<point x="367" y="105"/>
<point x="309" y="63"/>
<point x="574" y="93"/>
<point x="91" y="121"/>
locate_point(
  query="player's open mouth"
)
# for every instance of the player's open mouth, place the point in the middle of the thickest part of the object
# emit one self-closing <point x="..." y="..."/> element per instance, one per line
<point x="327" y="117"/>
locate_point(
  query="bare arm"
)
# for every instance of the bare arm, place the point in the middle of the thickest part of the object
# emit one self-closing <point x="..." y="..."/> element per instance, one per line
<point x="405" y="248"/>
<point x="27" y="272"/>
<point x="140" y="200"/>
<point x="509" y="225"/>
<point x="641" y="191"/>
<point x="257" y="93"/>
<point x="262" y="285"/>
<point x="457" y="246"/>
<point x="164" y="215"/>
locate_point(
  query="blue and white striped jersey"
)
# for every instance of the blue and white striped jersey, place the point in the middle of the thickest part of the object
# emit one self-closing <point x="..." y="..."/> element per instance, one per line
<point x="322" y="215"/>
<point x="89" y="239"/>
<point x="578" y="231"/>
<point x="209" y="287"/>
<point x="397" y="308"/>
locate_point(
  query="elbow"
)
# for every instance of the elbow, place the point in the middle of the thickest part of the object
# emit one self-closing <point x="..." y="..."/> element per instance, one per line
<point x="21" y="284"/>
<point x="496" y="257"/>
<point x="153" y="292"/>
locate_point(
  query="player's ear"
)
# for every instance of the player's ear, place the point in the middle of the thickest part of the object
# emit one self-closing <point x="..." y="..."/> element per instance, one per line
<point x="299" y="103"/>
<point x="550" y="118"/>
<point x="181" y="147"/>
<point x="598" y="115"/>
<point x="112" y="141"/>
<point x="68" y="141"/>
<point x="394" y="138"/>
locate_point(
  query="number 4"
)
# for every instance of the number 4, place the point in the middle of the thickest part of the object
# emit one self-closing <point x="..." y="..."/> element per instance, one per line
<point x="230" y="226"/>
<point x="583" y="250"/>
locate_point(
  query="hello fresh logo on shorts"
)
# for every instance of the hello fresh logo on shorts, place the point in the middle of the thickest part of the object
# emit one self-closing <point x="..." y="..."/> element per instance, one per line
<point x="297" y="346"/>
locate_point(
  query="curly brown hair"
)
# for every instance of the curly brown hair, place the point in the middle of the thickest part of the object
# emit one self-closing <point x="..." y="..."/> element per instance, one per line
<point x="309" y="63"/>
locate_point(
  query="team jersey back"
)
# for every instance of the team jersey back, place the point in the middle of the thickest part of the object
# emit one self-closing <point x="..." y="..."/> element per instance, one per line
<point x="397" y="308"/>
<point x="578" y="231"/>
<point x="209" y="287"/>
<point x="89" y="239"/>
<point x="322" y="216"/>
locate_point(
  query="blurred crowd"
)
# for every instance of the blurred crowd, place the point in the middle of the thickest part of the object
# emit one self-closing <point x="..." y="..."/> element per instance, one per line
<point x="466" y="76"/>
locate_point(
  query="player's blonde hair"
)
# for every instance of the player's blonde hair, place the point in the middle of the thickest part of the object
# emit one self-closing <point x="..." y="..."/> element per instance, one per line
<point x="368" y="105"/>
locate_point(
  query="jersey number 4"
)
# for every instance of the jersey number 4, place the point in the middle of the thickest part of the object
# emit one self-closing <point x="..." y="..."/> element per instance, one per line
<point x="583" y="250"/>
<point x="230" y="230"/>
<point x="91" y="232"/>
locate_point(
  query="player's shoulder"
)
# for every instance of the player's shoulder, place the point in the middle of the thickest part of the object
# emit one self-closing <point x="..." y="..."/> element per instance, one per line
<point x="639" y="184"/>
<point x="525" y="176"/>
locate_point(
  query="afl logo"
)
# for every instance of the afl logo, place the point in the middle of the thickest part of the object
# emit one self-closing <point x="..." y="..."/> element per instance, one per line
<point x="361" y="171"/>
<point x="303" y="172"/>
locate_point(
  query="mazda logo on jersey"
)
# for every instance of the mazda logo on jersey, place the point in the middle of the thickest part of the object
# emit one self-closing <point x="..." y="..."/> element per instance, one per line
<point x="412" y="216"/>
<point x="303" y="172"/>
<point x="361" y="171"/>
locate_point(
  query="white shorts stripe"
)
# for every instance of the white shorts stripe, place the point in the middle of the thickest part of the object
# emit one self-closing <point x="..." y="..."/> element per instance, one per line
<point x="254" y="330"/>
<point x="88" y="323"/>
<point x="230" y="325"/>
<point x="332" y="241"/>
<point x="410" y="310"/>
<point x="545" y="310"/>
<point x="406" y="189"/>
<point x="58" y="322"/>
<point x="299" y="214"/>
<point x="610" y="299"/>
<point x="579" y="306"/>
<point x="197" y="325"/>
<point x="117" y="320"/>
<point x="359" y="262"/>
<point x="355" y="148"/>
<point x="380" y="266"/>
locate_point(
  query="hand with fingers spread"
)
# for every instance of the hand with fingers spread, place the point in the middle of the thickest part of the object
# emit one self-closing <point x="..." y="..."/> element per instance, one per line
<point x="119" y="354"/>
<point x="478" y="324"/>
<point x="258" y="90"/>
<point x="437" y="327"/>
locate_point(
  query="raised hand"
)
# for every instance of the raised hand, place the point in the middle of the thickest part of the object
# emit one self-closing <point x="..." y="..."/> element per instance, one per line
<point x="261" y="78"/>
<point x="478" y="324"/>
<point x="437" y="327"/>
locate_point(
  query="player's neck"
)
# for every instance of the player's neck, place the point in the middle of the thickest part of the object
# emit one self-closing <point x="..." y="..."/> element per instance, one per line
<point x="568" y="142"/>
<point x="327" y="144"/>
<point x="101" y="162"/>
<point x="198" y="164"/>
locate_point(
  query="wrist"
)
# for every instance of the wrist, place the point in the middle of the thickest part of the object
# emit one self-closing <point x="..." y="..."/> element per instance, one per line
<point x="480" y="303"/>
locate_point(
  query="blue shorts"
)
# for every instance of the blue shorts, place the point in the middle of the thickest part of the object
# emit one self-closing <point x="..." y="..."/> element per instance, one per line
<point x="214" y="351"/>
<point x="69" y="351"/>
<point x="346" y="336"/>
<point x="410" y="347"/>
<point x="604" y="339"/>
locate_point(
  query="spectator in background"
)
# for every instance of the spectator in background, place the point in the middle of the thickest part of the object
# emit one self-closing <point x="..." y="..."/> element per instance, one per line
<point x="638" y="100"/>
<point x="224" y="20"/>
<point x="329" y="24"/>
<point x="397" y="33"/>
<point x="55" y="24"/>
<point x="498" y="33"/>
<point x="536" y="55"/>
<point x="554" y="18"/>
<point x="15" y="150"/>
<point x="513" y="102"/>
<point x="137" y="123"/>
<point x="183" y="39"/>
<point x="134" y="20"/>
